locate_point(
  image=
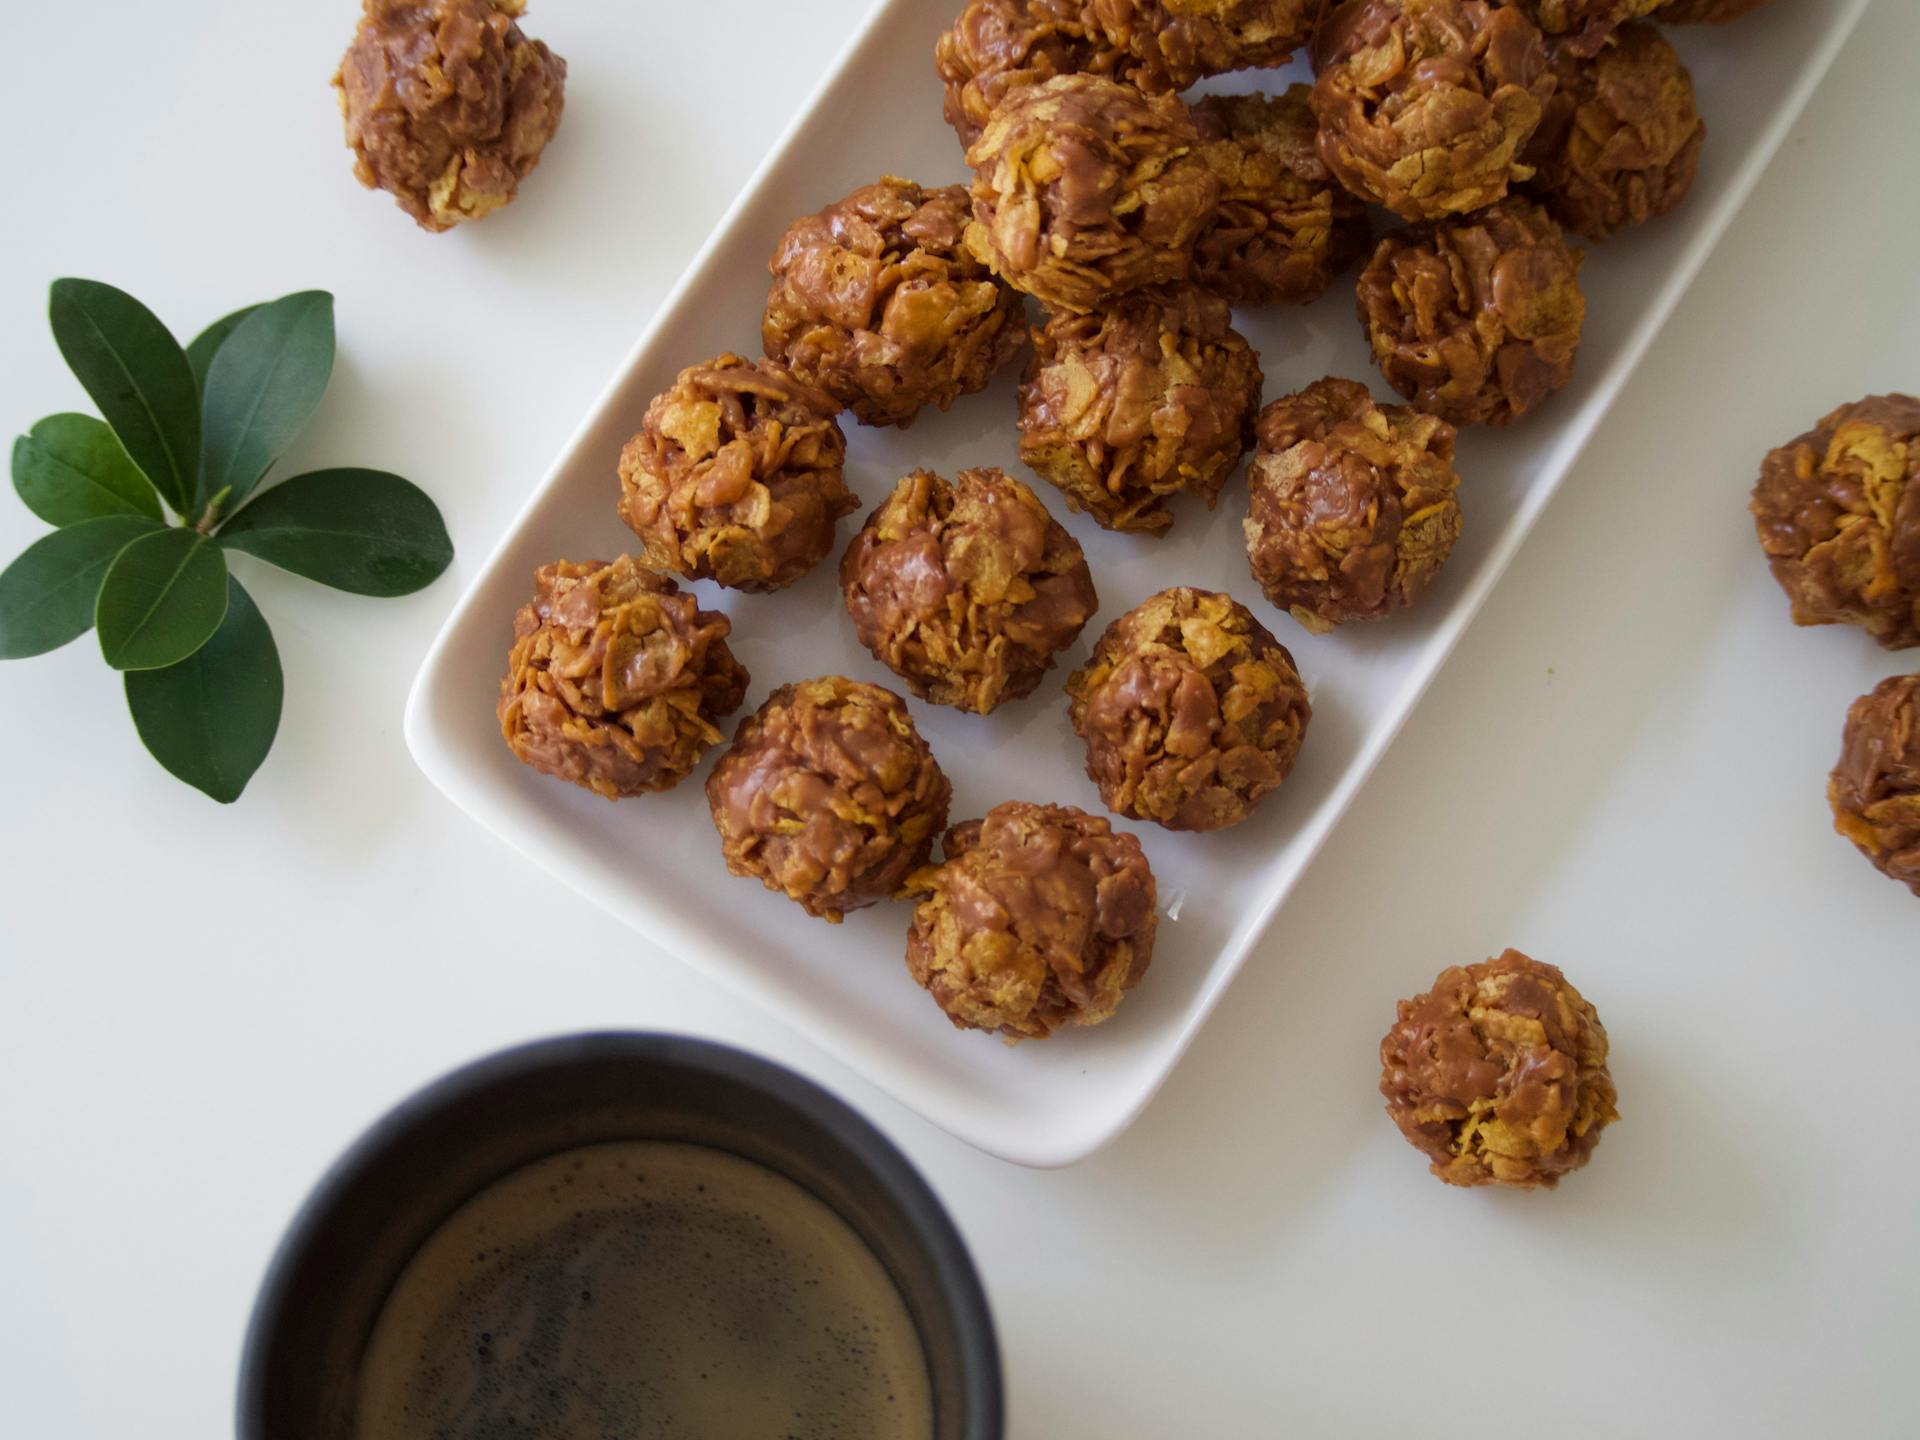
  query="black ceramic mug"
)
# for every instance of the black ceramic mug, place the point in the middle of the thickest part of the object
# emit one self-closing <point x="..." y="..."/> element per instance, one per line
<point x="437" y="1150"/>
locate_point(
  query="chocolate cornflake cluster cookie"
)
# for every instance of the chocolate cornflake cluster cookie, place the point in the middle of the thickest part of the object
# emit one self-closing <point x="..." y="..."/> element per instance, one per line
<point x="616" y="680"/>
<point x="1191" y="711"/>
<point x="1425" y="105"/>
<point x="735" y="475"/>
<point x="1583" y="24"/>
<point x="828" y="795"/>
<point x="966" y="591"/>
<point x="1353" y="505"/>
<point x="1875" y="789"/>
<point x="1838" y="512"/>
<point x="1499" y="1074"/>
<point x="877" y="301"/>
<point x="1041" y="916"/>
<point x="1621" y="138"/>
<point x="1476" y="319"/>
<point x="1704" y="12"/>
<point x="1151" y="397"/>
<point x="1173" y="43"/>
<point x="997" y="47"/>
<point x="1085" y="188"/>
<point x="1284" y="228"/>
<point x="447" y="104"/>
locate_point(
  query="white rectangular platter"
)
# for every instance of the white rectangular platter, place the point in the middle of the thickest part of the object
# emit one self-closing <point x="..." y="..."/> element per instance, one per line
<point x="655" y="861"/>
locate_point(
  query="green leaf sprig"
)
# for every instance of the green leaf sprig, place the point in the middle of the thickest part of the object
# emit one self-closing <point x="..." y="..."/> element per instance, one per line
<point x="193" y="431"/>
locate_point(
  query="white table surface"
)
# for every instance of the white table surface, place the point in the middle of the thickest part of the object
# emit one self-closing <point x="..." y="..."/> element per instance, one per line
<point x="1622" y="771"/>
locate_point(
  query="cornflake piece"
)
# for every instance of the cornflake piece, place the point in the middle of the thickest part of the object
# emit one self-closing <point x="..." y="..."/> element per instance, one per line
<point x="966" y="591"/>
<point x="1499" y="1074"/>
<point x="1425" y="105"/>
<point x="877" y="302"/>
<point x="1354" y="506"/>
<point x="1284" y="228"/>
<point x="1191" y="711"/>
<point x="735" y="476"/>
<point x="1875" y="788"/>
<point x="1838" y="512"/>
<point x="448" y="106"/>
<point x="1152" y="397"/>
<point x="1476" y="319"/>
<point x="1084" y="189"/>
<point x="616" y="680"/>
<point x="828" y="795"/>
<point x="1041" y="916"/>
<point x="1584" y="24"/>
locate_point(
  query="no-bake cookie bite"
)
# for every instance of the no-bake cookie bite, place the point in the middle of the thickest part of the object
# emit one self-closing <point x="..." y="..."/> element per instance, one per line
<point x="1584" y="24"/>
<point x="1284" y="228"/>
<point x="1838" y="512"/>
<point x="1041" y="916"/>
<point x="877" y="301"/>
<point x="1498" y="1074"/>
<point x="966" y="591"/>
<point x="1084" y="188"/>
<point x="1173" y="43"/>
<point x="996" y="47"/>
<point x="1151" y="397"/>
<point x="1705" y="12"/>
<point x="1476" y="319"/>
<point x="1425" y="105"/>
<point x="616" y="680"/>
<point x="828" y="795"/>
<point x="1875" y="788"/>
<point x="735" y="476"/>
<point x="1353" y="506"/>
<point x="1620" y="141"/>
<point x="448" y="106"/>
<point x="1191" y="711"/>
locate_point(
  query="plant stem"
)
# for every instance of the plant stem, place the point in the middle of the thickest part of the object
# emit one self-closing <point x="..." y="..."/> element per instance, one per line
<point x="210" y="517"/>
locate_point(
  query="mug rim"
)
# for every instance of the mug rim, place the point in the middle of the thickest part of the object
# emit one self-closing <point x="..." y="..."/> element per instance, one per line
<point x="958" y="1277"/>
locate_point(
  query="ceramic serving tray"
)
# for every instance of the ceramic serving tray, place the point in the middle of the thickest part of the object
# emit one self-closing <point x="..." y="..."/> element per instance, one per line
<point x="655" y="861"/>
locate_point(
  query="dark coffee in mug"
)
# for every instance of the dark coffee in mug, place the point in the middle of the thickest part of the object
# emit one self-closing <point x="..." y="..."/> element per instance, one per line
<point x="642" y="1289"/>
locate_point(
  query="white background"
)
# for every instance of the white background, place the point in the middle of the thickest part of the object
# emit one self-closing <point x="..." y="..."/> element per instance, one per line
<point x="1622" y="771"/>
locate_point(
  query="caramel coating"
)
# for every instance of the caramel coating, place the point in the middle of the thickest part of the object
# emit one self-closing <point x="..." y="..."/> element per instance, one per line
<point x="828" y="796"/>
<point x="1354" y="506"/>
<point x="1425" y="105"/>
<point x="447" y="105"/>
<point x="966" y="591"/>
<point x="996" y="47"/>
<point x="735" y="476"/>
<point x="1621" y="139"/>
<point x="1875" y="788"/>
<point x="1041" y="916"/>
<point x="877" y="302"/>
<point x="1150" y="398"/>
<point x="1838" y="511"/>
<point x="1283" y="228"/>
<point x="1584" y="24"/>
<point x="1705" y="12"/>
<point x="1192" y="712"/>
<point x="1499" y="1074"/>
<point x="616" y="679"/>
<point x="1174" y="43"/>
<point x="1085" y="188"/>
<point x="1476" y="319"/>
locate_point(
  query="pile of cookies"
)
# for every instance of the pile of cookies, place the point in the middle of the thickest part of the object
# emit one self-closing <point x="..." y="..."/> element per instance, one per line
<point x="1451" y="145"/>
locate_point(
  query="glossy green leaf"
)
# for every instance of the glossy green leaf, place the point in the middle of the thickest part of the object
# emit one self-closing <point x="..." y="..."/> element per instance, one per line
<point x="206" y="344"/>
<point x="161" y="600"/>
<point x="138" y="375"/>
<point x="69" y="468"/>
<point x="211" y="719"/>
<point x="359" y="530"/>
<point x="263" y="385"/>
<point x="47" y="594"/>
